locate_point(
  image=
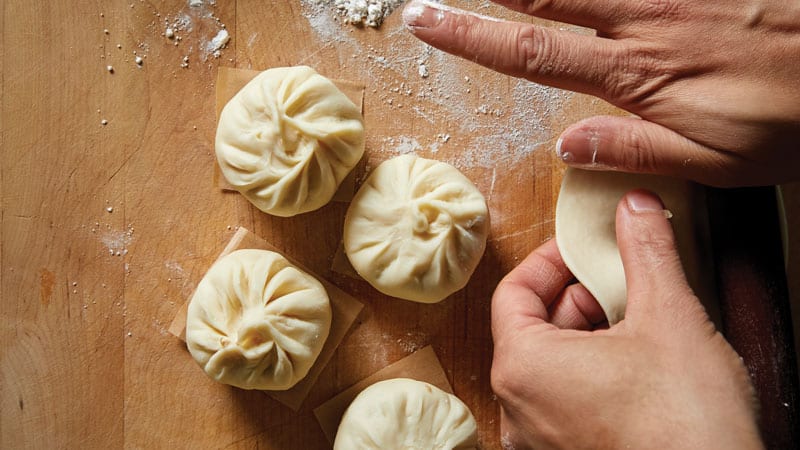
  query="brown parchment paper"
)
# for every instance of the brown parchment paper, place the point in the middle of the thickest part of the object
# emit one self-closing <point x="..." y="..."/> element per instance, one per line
<point x="422" y="365"/>
<point x="230" y="80"/>
<point x="341" y="263"/>
<point x="345" y="309"/>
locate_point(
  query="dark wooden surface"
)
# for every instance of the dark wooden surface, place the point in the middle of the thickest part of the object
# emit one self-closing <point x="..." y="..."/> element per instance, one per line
<point x="754" y="302"/>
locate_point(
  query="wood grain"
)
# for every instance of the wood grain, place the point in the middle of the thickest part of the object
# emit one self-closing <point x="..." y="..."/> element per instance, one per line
<point x="86" y="358"/>
<point x="755" y="309"/>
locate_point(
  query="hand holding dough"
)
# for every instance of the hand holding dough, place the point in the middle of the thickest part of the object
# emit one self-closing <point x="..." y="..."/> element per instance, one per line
<point x="586" y="232"/>
<point x="287" y="140"/>
<point x="406" y="414"/>
<point x="257" y="322"/>
<point x="562" y="383"/>
<point x="416" y="229"/>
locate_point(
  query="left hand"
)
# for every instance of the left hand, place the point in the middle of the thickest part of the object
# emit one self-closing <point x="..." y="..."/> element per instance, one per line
<point x="716" y="83"/>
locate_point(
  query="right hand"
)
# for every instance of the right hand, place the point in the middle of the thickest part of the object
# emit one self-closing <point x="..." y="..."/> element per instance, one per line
<point x="663" y="377"/>
<point x="716" y="83"/>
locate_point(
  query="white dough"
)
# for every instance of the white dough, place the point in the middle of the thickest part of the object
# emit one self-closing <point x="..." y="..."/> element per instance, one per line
<point x="416" y="229"/>
<point x="586" y="232"/>
<point x="287" y="139"/>
<point x="406" y="414"/>
<point x="257" y="322"/>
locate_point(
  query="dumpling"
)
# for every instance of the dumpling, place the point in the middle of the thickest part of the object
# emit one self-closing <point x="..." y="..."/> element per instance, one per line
<point x="416" y="229"/>
<point x="257" y="322"/>
<point x="406" y="414"/>
<point x="287" y="139"/>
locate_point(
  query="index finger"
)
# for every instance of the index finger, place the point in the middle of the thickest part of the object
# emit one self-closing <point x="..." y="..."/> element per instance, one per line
<point x="549" y="56"/>
<point x="522" y="297"/>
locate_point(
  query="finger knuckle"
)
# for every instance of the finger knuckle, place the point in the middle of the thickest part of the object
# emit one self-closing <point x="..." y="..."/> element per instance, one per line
<point x="503" y="383"/>
<point x="536" y="51"/>
<point x="506" y="378"/>
<point x="658" y="9"/>
<point x="640" y="73"/>
<point x="459" y="27"/>
<point x="657" y="248"/>
<point x="638" y="152"/>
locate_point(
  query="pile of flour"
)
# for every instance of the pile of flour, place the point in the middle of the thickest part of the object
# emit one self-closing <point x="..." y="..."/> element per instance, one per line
<point x="367" y="12"/>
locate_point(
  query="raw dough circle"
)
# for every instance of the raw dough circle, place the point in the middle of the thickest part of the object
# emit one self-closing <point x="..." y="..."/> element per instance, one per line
<point x="416" y="229"/>
<point x="287" y="139"/>
<point x="406" y="414"/>
<point x="586" y="230"/>
<point x="257" y="322"/>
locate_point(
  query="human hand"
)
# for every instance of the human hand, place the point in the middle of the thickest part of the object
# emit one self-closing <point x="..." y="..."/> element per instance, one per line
<point x="716" y="83"/>
<point x="663" y="377"/>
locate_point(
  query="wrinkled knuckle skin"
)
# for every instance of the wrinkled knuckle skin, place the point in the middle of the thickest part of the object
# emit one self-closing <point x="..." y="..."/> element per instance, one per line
<point x="636" y="75"/>
<point x="655" y="249"/>
<point x="623" y="79"/>
<point x="535" y="52"/>
<point x="638" y="154"/>
<point x="458" y="29"/>
<point x="659" y="9"/>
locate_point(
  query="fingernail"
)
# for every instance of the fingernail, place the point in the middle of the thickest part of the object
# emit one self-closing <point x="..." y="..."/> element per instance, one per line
<point x="580" y="148"/>
<point x="420" y="14"/>
<point x="641" y="200"/>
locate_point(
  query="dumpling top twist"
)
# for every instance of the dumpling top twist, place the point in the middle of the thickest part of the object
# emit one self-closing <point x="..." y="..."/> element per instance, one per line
<point x="416" y="229"/>
<point x="257" y="322"/>
<point x="287" y="139"/>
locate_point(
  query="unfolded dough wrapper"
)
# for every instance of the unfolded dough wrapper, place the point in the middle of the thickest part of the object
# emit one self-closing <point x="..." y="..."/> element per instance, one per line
<point x="586" y="232"/>
<point x="416" y="229"/>
<point x="287" y="139"/>
<point x="406" y="414"/>
<point x="257" y="322"/>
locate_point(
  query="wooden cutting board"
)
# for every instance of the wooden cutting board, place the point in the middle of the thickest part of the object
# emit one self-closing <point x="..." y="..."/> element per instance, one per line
<point x="106" y="229"/>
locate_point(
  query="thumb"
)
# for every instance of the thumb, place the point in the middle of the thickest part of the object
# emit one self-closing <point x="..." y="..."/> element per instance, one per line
<point x="656" y="283"/>
<point x="629" y="144"/>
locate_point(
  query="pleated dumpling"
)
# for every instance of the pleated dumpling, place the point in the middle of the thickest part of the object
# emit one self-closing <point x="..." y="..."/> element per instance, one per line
<point x="416" y="229"/>
<point x="406" y="414"/>
<point x="287" y="139"/>
<point x="257" y="322"/>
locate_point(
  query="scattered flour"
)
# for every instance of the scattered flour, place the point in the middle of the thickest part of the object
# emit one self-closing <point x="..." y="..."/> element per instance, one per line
<point x="175" y="269"/>
<point x="219" y="41"/>
<point x="422" y="69"/>
<point x="116" y="241"/>
<point x="197" y="28"/>
<point x="513" y="135"/>
<point x="506" y="443"/>
<point x="324" y="21"/>
<point x="413" y="341"/>
<point x="402" y="145"/>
